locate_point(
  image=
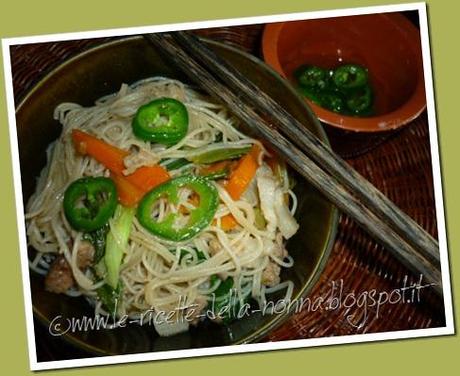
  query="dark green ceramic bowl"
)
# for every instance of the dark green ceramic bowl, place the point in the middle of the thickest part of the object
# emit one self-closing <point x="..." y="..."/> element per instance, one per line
<point x="101" y="71"/>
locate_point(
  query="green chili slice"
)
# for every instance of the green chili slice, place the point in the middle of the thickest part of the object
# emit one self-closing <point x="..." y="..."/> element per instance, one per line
<point x="360" y="100"/>
<point x="333" y="101"/>
<point x="312" y="77"/>
<point x="174" y="164"/>
<point x="198" y="218"/>
<point x="217" y="152"/>
<point x="90" y="202"/>
<point x="350" y="76"/>
<point x="217" y="175"/>
<point x="163" y="121"/>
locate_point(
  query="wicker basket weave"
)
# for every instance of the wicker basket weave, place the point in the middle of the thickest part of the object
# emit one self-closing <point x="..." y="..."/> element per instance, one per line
<point x="398" y="163"/>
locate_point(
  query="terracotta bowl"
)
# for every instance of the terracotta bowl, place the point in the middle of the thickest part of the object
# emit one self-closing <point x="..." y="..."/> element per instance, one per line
<point x="387" y="44"/>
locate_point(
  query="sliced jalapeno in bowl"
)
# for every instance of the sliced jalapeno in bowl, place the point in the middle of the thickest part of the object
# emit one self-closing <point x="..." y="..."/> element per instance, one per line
<point x="199" y="218"/>
<point x="350" y="76"/>
<point x="163" y="121"/>
<point x="345" y="90"/>
<point x="90" y="202"/>
<point x="312" y="77"/>
<point x="333" y="101"/>
<point x="360" y="100"/>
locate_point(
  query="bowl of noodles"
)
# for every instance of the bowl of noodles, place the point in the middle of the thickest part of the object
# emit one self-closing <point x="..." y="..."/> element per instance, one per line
<point x="150" y="208"/>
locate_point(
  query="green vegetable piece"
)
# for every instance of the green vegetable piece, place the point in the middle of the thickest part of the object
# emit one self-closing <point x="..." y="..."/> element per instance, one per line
<point x="216" y="175"/>
<point x="333" y="101"/>
<point x="360" y="100"/>
<point x="200" y="255"/>
<point x="350" y="76"/>
<point x="164" y="121"/>
<point x="90" y="202"/>
<point x="259" y="219"/>
<point x="110" y="297"/>
<point x="199" y="218"/>
<point x="344" y="90"/>
<point x="117" y="240"/>
<point x="184" y="253"/>
<point x="98" y="239"/>
<point x="225" y="303"/>
<point x="217" y="152"/>
<point x="222" y="296"/>
<point x="224" y="287"/>
<point x="174" y="164"/>
<point x="312" y="77"/>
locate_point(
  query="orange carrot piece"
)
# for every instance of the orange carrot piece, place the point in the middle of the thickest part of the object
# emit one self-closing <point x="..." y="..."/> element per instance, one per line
<point x="132" y="188"/>
<point x="106" y="154"/>
<point x="128" y="194"/>
<point x="243" y="173"/>
<point x="239" y="180"/>
<point x="228" y="222"/>
<point x="148" y="177"/>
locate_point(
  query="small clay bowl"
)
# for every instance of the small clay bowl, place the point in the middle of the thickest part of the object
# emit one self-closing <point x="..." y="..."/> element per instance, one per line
<point x="387" y="44"/>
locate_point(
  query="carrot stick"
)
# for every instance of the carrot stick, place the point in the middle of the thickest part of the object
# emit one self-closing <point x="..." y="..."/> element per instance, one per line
<point x="148" y="177"/>
<point x="228" y="222"/>
<point x="128" y="194"/>
<point x="243" y="173"/>
<point x="239" y="180"/>
<point x="106" y="154"/>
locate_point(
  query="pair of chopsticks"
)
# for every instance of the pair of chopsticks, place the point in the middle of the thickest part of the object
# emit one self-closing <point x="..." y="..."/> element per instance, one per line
<point x="313" y="159"/>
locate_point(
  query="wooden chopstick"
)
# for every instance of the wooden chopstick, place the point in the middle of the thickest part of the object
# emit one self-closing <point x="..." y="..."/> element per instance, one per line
<point x="360" y="210"/>
<point x="405" y="226"/>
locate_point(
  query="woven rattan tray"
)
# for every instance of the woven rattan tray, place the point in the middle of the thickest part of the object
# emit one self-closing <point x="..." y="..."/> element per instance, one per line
<point x="398" y="163"/>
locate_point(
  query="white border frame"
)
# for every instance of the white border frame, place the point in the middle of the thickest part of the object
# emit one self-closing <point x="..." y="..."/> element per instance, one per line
<point x="244" y="348"/>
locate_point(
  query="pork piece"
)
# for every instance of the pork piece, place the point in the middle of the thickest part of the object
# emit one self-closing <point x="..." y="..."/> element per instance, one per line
<point x="271" y="274"/>
<point x="59" y="278"/>
<point x="85" y="254"/>
<point x="214" y="247"/>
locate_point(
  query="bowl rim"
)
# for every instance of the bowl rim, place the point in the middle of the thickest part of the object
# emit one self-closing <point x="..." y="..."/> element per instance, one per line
<point x="277" y="319"/>
<point x="403" y="115"/>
